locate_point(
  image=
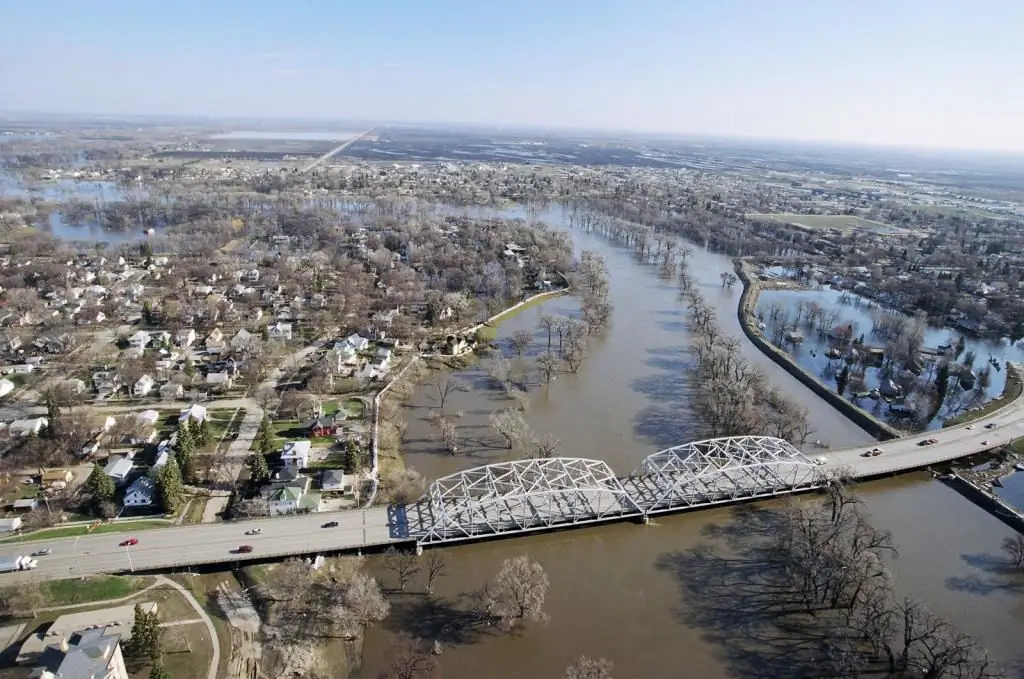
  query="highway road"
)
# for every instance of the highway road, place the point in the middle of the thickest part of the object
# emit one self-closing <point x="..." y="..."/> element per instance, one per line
<point x="335" y="151"/>
<point x="200" y="544"/>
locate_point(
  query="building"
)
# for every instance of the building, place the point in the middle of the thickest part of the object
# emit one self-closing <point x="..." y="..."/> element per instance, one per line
<point x="194" y="411"/>
<point x="52" y="476"/>
<point x="6" y="387"/>
<point x="118" y="468"/>
<point x="139" y="340"/>
<point x="328" y="425"/>
<point x="279" y="332"/>
<point x="290" y="496"/>
<point x="241" y="340"/>
<point x="140" y="493"/>
<point x="27" y="427"/>
<point x="150" y="417"/>
<point x="214" y="343"/>
<point x="357" y="342"/>
<point x="143" y="386"/>
<point x="337" y="481"/>
<point x="295" y="455"/>
<point x="10" y="525"/>
<point x="172" y="390"/>
<point x="185" y="338"/>
<point x="87" y="654"/>
<point x="109" y="622"/>
<point x="25" y="504"/>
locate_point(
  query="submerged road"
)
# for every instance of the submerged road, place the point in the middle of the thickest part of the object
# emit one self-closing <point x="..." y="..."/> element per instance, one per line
<point x="282" y="537"/>
<point x="336" y="151"/>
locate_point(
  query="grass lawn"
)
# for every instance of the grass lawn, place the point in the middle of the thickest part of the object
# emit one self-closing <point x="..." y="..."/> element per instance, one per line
<point x="1011" y="391"/>
<point x="195" y="510"/>
<point x="93" y="589"/>
<point x="203" y="588"/>
<point x="842" y="222"/>
<point x="289" y="430"/>
<point x="334" y="460"/>
<point x="355" y="408"/>
<point x="73" y="531"/>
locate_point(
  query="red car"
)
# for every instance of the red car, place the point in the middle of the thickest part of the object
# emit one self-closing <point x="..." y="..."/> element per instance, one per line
<point x="244" y="549"/>
<point x="130" y="542"/>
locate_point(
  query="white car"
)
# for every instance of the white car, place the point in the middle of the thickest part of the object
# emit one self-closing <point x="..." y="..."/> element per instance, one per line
<point x="254" y="531"/>
<point x="969" y="427"/>
<point x="820" y="460"/>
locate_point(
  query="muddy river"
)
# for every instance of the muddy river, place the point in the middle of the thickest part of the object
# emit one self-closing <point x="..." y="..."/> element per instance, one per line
<point x="628" y="592"/>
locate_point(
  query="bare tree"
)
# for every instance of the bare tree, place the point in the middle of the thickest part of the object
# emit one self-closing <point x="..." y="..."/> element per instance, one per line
<point x="518" y="592"/>
<point x="509" y="423"/>
<point x="405" y="565"/>
<point x="435" y="566"/>
<point x="442" y="387"/>
<point x="1014" y="548"/>
<point x="449" y="436"/>
<point x="500" y="372"/>
<point x="585" y="667"/>
<point x="410" y="659"/>
<point x="546" y="447"/>
<point x="574" y="352"/>
<point x="521" y="341"/>
<point x="364" y="601"/>
<point x="547" y="366"/>
<point x="548" y="324"/>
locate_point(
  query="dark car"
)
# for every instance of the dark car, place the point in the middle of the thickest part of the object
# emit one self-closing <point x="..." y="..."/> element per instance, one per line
<point x="244" y="549"/>
<point x="330" y="524"/>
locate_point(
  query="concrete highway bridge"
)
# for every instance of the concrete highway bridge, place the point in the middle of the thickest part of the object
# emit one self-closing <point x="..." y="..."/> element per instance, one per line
<point x="523" y="496"/>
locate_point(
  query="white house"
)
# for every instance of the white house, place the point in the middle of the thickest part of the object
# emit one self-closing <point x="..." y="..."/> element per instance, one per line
<point x="118" y="469"/>
<point x="295" y="455"/>
<point x="10" y="525"/>
<point x="357" y="342"/>
<point x="194" y="411"/>
<point x="172" y="390"/>
<point x="215" y="341"/>
<point x="143" y="386"/>
<point x="27" y="427"/>
<point x="185" y="338"/>
<point x="222" y="379"/>
<point x="6" y="387"/>
<point x="139" y="340"/>
<point x="241" y="340"/>
<point x="280" y="332"/>
<point x="150" y="417"/>
<point x="140" y="493"/>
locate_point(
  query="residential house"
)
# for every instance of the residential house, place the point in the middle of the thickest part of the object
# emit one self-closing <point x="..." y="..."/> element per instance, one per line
<point x="295" y="455"/>
<point x="141" y="493"/>
<point x="86" y="654"/>
<point x="171" y="391"/>
<point x="251" y="275"/>
<point x="357" y="342"/>
<point x="143" y="386"/>
<point x="6" y="387"/>
<point x="279" y="332"/>
<point x="10" y="525"/>
<point x="26" y="504"/>
<point x="292" y="496"/>
<point x="162" y="458"/>
<point x="241" y="340"/>
<point x="27" y="427"/>
<point x="150" y="417"/>
<point x="139" y="340"/>
<point x="50" y="477"/>
<point x="337" y="481"/>
<point x="328" y="425"/>
<point x="220" y="380"/>
<point x="215" y="341"/>
<point x="118" y="468"/>
<point x="185" y="338"/>
<point x="194" y="411"/>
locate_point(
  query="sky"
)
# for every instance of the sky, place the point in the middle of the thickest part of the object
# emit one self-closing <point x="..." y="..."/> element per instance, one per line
<point x="915" y="73"/>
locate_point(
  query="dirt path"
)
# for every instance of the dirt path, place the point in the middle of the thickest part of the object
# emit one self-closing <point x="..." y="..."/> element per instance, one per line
<point x="211" y="673"/>
<point x="246" y="649"/>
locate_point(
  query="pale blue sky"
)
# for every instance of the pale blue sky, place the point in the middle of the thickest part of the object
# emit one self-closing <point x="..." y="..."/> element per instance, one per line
<point x="903" y="72"/>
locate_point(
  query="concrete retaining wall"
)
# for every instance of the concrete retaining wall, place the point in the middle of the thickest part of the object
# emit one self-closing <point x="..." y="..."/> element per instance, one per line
<point x="991" y="502"/>
<point x="748" y="321"/>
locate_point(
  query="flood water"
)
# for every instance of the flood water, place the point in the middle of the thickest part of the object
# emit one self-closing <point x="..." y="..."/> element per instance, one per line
<point x="628" y="592"/>
<point x="811" y="352"/>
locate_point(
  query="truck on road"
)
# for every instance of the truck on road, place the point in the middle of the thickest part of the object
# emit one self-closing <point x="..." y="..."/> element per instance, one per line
<point x="18" y="563"/>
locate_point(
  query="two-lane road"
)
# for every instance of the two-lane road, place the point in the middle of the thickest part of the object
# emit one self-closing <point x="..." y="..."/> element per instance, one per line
<point x="198" y="544"/>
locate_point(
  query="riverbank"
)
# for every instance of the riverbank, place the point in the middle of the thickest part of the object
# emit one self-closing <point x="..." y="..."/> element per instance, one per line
<point x="747" y="317"/>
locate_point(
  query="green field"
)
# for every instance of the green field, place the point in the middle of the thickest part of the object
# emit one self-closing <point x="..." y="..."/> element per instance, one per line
<point x="74" y="531"/>
<point x="841" y="222"/>
<point x="99" y="588"/>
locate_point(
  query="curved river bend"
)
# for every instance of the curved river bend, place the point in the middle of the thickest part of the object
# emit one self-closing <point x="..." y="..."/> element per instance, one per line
<point x="616" y="590"/>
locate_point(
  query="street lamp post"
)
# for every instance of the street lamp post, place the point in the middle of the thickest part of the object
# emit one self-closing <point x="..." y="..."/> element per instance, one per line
<point x="128" y="553"/>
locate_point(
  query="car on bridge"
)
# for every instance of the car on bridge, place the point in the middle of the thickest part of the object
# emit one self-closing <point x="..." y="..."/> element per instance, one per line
<point x="330" y="524"/>
<point x="820" y="460"/>
<point x="244" y="549"/>
<point x="254" y="531"/>
<point x="130" y="542"/>
<point x="991" y="425"/>
<point x="928" y="442"/>
<point x="874" y="452"/>
<point x="42" y="552"/>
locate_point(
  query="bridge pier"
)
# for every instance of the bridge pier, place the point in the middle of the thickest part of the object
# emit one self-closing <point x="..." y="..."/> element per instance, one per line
<point x="419" y="549"/>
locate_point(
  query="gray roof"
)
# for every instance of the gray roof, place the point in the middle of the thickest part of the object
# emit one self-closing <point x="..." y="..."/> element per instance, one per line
<point x="333" y="476"/>
<point x="88" y="655"/>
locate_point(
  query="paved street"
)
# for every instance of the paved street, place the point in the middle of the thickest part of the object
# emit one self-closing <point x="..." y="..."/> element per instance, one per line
<point x="197" y="544"/>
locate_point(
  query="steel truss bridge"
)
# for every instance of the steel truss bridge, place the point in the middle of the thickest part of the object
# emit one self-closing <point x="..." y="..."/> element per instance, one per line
<point x="541" y="494"/>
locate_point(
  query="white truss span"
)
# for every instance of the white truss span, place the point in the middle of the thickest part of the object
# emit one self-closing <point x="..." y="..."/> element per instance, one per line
<point x="722" y="470"/>
<point x="523" y="495"/>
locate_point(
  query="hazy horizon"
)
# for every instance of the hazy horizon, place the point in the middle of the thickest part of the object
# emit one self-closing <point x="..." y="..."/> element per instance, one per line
<point x="917" y="76"/>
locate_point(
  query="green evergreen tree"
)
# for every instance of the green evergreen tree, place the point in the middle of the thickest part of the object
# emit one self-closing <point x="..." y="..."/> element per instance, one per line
<point x="201" y="432"/>
<point x="352" y="460"/>
<point x="52" y="416"/>
<point x="264" y="441"/>
<point x="186" y="441"/>
<point x="145" y="638"/>
<point x="259" y="470"/>
<point x="169" y="488"/>
<point x="100" y="486"/>
<point x="158" y="671"/>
